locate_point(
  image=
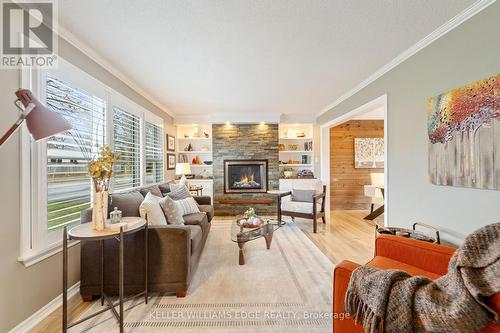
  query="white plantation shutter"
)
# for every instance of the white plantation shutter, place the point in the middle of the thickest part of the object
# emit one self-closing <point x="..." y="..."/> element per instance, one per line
<point x="154" y="153"/>
<point x="127" y="144"/>
<point x="68" y="184"/>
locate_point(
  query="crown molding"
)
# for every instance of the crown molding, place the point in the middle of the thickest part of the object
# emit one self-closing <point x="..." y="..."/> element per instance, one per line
<point x="89" y="52"/>
<point x="436" y="34"/>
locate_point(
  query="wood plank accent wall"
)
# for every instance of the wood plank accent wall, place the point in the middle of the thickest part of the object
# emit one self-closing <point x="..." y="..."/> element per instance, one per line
<point x="346" y="182"/>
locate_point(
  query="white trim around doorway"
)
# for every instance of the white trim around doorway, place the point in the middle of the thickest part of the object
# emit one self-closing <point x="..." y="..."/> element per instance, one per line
<point x="325" y="147"/>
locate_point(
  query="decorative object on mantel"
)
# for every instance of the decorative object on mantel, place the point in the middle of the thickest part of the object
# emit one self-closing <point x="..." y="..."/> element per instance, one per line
<point x="368" y="152"/>
<point x="186" y="136"/>
<point x="170" y="142"/>
<point x="308" y="146"/>
<point x="293" y="147"/>
<point x="281" y="147"/>
<point x="208" y="162"/>
<point x="196" y="160"/>
<point x="301" y="135"/>
<point x="464" y="136"/>
<point x="100" y="169"/>
<point x="189" y="147"/>
<point x="206" y="135"/>
<point x="170" y="161"/>
<point x="41" y="122"/>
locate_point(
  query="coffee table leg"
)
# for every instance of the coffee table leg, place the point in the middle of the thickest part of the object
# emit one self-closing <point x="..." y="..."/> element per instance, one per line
<point x="242" y="258"/>
<point x="269" y="238"/>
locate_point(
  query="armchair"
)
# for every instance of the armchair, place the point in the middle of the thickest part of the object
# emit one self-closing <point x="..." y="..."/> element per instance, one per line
<point x="304" y="203"/>
<point x="394" y="252"/>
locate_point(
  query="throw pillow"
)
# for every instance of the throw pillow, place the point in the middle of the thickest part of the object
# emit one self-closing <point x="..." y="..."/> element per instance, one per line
<point x="172" y="210"/>
<point x="154" y="189"/>
<point x="303" y="195"/>
<point x="178" y="192"/>
<point x="151" y="211"/>
<point x="188" y="206"/>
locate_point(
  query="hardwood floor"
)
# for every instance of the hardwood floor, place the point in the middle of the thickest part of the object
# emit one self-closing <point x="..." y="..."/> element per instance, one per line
<point x="345" y="237"/>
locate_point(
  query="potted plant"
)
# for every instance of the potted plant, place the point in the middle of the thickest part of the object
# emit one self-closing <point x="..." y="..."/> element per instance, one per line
<point x="288" y="172"/>
<point x="100" y="169"/>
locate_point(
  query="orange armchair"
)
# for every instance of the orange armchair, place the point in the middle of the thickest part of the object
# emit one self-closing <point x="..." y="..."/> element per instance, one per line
<point x="393" y="252"/>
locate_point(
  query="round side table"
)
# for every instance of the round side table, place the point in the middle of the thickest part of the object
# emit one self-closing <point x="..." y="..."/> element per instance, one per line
<point x="117" y="231"/>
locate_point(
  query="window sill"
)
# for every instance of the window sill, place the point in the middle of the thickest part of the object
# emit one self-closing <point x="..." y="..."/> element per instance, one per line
<point x="32" y="257"/>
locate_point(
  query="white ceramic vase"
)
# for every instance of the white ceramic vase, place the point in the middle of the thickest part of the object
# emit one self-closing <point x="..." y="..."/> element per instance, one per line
<point x="99" y="209"/>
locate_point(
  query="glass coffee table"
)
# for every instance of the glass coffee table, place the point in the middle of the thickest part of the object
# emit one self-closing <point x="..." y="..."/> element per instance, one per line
<point x="241" y="235"/>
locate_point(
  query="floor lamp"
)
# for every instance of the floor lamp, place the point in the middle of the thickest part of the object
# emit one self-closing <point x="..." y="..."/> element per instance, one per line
<point x="41" y="122"/>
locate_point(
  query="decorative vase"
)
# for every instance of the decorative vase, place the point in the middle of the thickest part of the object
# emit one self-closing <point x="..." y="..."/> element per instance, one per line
<point x="99" y="209"/>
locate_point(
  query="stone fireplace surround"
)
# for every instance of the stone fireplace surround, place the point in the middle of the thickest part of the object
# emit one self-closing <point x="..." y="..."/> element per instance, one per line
<point x="245" y="142"/>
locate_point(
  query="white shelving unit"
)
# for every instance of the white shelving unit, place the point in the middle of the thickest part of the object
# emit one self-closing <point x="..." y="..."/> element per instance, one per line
<point x="201" y="148"/>
<point x="296" y="147"/>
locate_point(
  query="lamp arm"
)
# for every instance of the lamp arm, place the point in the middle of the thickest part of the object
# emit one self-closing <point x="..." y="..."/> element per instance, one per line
<point x="19" y="121"/>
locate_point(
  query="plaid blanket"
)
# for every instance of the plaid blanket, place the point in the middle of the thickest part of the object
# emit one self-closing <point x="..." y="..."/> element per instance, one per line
<point x="393" y="301"/>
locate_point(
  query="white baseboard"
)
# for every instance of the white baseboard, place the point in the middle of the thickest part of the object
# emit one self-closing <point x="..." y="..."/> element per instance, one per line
<point x="41" y="314"/>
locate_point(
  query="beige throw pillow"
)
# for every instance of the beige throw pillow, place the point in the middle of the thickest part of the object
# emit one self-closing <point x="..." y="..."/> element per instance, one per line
<point x="172" y="210"/>
<point x="188" y="206"/>
<point x="151" y="211"/>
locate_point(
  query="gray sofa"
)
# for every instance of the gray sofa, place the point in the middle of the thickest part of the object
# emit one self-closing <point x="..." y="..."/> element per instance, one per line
<point x="174" y="251"/>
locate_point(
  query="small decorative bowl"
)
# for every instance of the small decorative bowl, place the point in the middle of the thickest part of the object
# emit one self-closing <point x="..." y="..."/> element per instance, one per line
<point x="208" y="162"/>
<point x="251" y="222"/>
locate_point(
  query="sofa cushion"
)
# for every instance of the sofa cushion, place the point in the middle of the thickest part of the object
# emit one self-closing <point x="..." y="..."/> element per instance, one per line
<point x="165" y="187"/>
<point x="303" y="195"/>
<point x="188" y="206"/>
<point x="154" y="189"/>
<point x="299" y="207"/>
<point x="150" y="209"/>
<point x="387" y="263"/>
<point x="196" y="237"/>
<point x="179" y="192"/>
<point x="209" y="210"/>
<point x="173" y="212"/>
<point x="127" y="202"/>
<point x="194" y="219"/>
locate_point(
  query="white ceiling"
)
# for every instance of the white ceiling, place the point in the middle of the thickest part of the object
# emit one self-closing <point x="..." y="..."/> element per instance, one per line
<point x="243" y="56"/>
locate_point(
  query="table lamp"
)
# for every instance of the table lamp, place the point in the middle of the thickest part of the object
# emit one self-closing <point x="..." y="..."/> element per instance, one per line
<point x="42" y="123"/>
<point x="182" y="169"/>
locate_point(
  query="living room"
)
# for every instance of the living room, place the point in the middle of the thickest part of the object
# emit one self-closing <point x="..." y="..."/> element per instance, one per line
<point x="237" y="166"/>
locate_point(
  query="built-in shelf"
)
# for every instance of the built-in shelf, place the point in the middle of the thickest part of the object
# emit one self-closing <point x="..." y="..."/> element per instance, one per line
<point x="195" y="152"/>
<point x="201" y="165"/>
<point x="295" y="165"/>
<point x="297" y="151"/>
<point x="296" y="139"/>
<point x="194" y="139"/>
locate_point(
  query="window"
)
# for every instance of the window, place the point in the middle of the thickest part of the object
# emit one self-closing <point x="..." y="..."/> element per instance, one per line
<point x="68" y="185"/>
<point x="154" y="153"/>
<point x="127" y="144"/>
<point x="55" y="185"/>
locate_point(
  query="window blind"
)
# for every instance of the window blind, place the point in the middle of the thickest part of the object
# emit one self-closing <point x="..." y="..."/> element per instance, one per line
<point x="127" y="143"/>
<point x="154" y="153"/>
<point x="68" y="184"/>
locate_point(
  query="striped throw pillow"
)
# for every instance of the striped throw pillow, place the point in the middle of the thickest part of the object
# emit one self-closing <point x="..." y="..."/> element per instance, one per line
<point x="188" y="206"/>
<point x="179" y="192"/>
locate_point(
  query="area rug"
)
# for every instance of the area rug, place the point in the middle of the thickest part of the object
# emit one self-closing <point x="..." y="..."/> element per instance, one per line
<point x="287" y="288"/>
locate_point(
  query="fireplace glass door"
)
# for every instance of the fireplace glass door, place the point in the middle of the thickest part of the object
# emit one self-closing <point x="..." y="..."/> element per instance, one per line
<point x="242" y="176"/>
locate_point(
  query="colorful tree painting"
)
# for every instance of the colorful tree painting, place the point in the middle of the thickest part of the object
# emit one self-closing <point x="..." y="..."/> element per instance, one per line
<point x="464" y="135"/>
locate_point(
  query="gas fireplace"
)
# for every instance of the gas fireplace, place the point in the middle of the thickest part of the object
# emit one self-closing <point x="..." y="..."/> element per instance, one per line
<point x="245" y="176"/>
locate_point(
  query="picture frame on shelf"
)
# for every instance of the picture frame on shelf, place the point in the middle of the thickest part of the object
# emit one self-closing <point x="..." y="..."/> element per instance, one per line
<point x="170" y="142"/>
<point x="170" y="161"/>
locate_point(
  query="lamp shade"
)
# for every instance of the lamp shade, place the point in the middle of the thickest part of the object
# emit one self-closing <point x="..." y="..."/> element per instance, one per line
<point x="42" y="123"/>
<point x="182" y="169"/>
